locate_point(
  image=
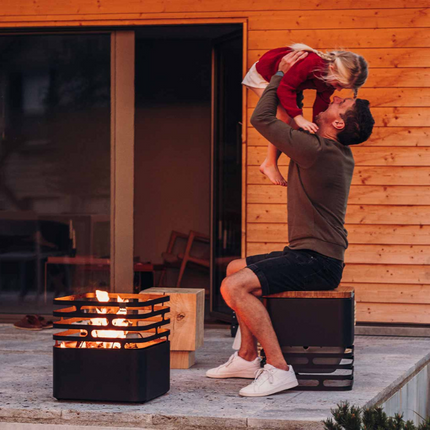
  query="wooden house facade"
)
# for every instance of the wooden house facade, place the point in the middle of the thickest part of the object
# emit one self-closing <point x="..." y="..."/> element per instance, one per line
<point x="388" y="217"/>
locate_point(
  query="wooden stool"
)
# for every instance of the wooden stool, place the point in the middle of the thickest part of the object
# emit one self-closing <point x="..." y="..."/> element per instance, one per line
<point x="315" y="330"/>
<point x="186" y="323"/>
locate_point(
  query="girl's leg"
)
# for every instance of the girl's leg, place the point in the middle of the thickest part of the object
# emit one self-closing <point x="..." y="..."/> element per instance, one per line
<point x="269" y="167"/>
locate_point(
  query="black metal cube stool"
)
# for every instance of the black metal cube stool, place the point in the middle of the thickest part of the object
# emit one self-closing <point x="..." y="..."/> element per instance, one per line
<point x="315" y="330"/>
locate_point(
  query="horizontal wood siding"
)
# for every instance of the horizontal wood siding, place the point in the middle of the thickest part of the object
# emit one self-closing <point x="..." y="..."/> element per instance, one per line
<point x="388" y="217"/>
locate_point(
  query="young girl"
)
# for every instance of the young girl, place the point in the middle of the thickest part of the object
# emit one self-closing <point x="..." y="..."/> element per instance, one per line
<point x="324" y="72"/>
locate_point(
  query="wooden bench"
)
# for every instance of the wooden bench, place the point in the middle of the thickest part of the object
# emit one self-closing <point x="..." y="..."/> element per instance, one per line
<point x="315" y="330"/>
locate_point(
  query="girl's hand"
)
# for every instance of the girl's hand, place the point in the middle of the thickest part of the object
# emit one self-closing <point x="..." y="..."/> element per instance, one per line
<point x="290" y="59"/>
<point x="305" y="124"/>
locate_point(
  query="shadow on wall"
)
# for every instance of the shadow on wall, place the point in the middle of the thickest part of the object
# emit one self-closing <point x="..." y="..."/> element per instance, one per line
<point x="172" y="175"/>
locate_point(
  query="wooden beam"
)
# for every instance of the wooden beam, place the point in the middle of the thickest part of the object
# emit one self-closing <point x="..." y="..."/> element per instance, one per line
<point x="390" y="274"/>
<point x="357" y="234"/>
<point x="389" y="195"/>
<point x="387" y="117"/>
<point x="399" y="78"/>
<point x="392" y="293"/>
<point x="363" y="175"/>
<point x="353" y="38"/>
<point x="392" y="77"/>
<point x="378" y="97"/>
<point x="265" y="20"/>
<point x="376" y="57"/>
<point x="381" y="136"/>
<point x="182" y="359"/>
<point x="359" y="194"/>
<point x="369" y="254"/>
<point x="393" y="313"/>
<point x="340" y="19"/>
<point x="342" y="292"/>
<point x="275" y="5"/>
<point x="363" y="156"/>
<point x="186" y="316"/>
<point x="388" y="254"/>
<point x="122" y="160"/>
<point x="385" y="156"/>
<point x="355" y="214"/>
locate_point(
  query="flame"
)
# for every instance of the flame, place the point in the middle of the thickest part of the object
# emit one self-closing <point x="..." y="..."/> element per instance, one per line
<point x="103" y="296"/>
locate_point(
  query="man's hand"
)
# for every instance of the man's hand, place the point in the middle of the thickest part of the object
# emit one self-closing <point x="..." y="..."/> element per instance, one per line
<point x="290" y="59"/>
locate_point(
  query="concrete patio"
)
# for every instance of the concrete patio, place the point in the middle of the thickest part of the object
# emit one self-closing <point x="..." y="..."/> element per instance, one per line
<point x="382" y="366"/>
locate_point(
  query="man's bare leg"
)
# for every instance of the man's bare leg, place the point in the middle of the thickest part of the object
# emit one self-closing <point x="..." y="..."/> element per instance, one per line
<point x="241" y="291"/>
<point x="244" y="363"/>
<point x="248" y="343"/>
<point x="236" y="265"/>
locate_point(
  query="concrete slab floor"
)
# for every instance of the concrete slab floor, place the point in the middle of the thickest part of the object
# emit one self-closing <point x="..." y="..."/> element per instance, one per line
<point x="194" y="401"/>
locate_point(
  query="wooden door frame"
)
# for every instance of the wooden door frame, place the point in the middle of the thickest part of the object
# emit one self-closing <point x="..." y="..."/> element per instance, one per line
<point x="122" y="160"/>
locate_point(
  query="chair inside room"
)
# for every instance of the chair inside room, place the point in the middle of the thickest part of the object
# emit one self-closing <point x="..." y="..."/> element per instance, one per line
<point x="28" y="244"/>
<point x="185" y="256"/>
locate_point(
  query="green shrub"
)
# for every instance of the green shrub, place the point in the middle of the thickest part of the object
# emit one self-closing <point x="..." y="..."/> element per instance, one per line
<point x="346" y="417"/>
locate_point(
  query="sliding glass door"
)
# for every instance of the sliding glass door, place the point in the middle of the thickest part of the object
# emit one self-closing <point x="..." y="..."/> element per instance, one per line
<point x="67" y="108"/>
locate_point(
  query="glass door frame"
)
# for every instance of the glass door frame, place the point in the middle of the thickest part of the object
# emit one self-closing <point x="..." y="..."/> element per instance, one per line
<point x="122" y="160"/>
<point x="214" y="313"/>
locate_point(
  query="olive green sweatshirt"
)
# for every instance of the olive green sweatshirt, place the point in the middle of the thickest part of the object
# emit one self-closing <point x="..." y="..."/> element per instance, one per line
<point x="319" y="179"/>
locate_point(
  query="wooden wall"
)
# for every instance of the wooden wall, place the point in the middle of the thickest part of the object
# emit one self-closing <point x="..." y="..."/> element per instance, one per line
<point x="389" y="206"/>
<point x="388" y="214"/>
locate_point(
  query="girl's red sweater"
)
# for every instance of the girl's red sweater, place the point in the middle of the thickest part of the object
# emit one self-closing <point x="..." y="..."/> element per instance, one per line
<point x="302" y="76"/>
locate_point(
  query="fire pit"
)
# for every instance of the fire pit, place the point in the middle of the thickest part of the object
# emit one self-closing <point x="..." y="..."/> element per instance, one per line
<point x="114" y="348"/>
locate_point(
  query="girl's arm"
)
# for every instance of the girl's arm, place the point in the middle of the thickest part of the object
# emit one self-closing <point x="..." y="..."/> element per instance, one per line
<point x="287" y="91"/>
<point x="293" y="78"/>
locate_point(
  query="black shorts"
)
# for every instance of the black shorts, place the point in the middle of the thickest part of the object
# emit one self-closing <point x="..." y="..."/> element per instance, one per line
<point x="295" y="270"/>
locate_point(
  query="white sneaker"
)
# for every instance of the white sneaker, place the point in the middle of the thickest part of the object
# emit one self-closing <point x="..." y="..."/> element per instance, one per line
<point x="270" y="380"/>
<point x="236" y="367"/>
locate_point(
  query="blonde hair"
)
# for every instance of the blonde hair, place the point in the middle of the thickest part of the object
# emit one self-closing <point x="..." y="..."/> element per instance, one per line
<point x="349" y="69"/>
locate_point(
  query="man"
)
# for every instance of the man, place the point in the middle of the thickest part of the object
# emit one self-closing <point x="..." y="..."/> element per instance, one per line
<point x="319" y="178"/>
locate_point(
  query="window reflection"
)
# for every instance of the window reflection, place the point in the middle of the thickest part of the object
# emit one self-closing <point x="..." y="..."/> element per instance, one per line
<point x="54" y="168"/>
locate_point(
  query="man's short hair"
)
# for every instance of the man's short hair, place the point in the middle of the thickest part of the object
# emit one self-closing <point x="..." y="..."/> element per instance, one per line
<point x="358" y="124"/>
